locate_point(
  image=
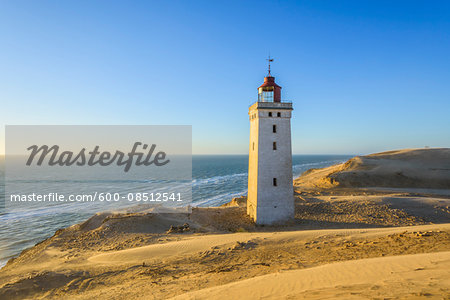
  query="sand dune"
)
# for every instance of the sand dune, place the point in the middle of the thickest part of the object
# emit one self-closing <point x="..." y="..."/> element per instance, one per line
<point x="409" y="168"/>
<point x="206" y="262"/>
<point x="173" y="249"/>
<point x="191" y="245"/>
<point x="400" y="276"/>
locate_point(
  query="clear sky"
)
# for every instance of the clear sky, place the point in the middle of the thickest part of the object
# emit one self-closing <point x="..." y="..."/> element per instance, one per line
<point x="364" y="76"/>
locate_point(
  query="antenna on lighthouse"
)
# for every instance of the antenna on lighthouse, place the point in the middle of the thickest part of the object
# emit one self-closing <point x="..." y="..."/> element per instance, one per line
<point x="269" y="60"/>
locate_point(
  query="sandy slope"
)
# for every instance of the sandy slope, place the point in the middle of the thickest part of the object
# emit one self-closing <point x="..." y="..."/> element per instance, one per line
<point x="197" y="262"/>
<point x="195" y="244"/>
<point x="400" y="276"/>
<point x="408" y="168"/>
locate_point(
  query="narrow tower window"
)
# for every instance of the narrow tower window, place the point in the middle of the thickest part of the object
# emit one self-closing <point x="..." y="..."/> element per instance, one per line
<point x="274" y="182"/>
<point x="274" y="128"/>
<point x="270" y="114"/>
<point x="278" y="114"/>
<point x="274" y="145"/>
<point x="253" y="146"/>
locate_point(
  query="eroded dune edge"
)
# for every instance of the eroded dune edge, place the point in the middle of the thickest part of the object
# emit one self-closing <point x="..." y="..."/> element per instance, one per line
<point x="375" y="226"/>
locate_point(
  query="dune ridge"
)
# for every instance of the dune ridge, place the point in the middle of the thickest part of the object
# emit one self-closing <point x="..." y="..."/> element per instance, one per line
<point x="407" y="168"/>
<point x="427" y="276"/>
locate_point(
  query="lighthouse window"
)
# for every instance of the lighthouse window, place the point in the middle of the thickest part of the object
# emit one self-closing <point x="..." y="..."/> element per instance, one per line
<point x="253" y="146"/>
<point x="274" y="145"/>
<point x="274" y="128"/>
<point x="270" y="114"/>
<point x="278" y="114"/>
<point x="274" y="182"/>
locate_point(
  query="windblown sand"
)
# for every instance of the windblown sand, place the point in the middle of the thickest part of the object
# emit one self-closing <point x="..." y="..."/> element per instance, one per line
<point x="347" y="242"/>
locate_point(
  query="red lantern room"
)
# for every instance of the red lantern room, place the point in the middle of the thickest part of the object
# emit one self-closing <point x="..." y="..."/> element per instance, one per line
<point x="269" y="91"/>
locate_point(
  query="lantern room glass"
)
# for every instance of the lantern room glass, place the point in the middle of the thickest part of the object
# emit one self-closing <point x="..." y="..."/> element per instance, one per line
<point x="265" y="96"/>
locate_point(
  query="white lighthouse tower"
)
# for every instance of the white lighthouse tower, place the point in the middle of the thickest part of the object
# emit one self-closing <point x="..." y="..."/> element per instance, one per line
<point x="270" y="196"/>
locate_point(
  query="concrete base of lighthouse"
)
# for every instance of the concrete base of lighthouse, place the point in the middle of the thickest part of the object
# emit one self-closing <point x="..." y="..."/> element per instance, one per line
<point x="275" y="213"/>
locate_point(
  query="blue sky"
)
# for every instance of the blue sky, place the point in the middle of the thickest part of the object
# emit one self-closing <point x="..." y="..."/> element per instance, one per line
<point x="364" y="76"/>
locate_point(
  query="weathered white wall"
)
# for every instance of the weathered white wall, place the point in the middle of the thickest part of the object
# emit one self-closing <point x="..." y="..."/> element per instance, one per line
<point x="253" y="164"/>
<point x="269" y="204"/>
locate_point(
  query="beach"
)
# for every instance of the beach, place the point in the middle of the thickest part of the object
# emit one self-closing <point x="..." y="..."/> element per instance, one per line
<point x="349" y="239"/>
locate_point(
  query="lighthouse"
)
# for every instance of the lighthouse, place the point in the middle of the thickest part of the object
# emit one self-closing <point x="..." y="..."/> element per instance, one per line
<point x="270" y="198"/>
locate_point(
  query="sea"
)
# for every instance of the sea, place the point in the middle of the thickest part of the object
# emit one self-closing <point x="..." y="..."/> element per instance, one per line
<point x="216" y="179"/>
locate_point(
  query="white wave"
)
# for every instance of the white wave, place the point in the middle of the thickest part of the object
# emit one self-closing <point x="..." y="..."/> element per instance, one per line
<point x="216" y="179"/>
<point x="218" y="199"/>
